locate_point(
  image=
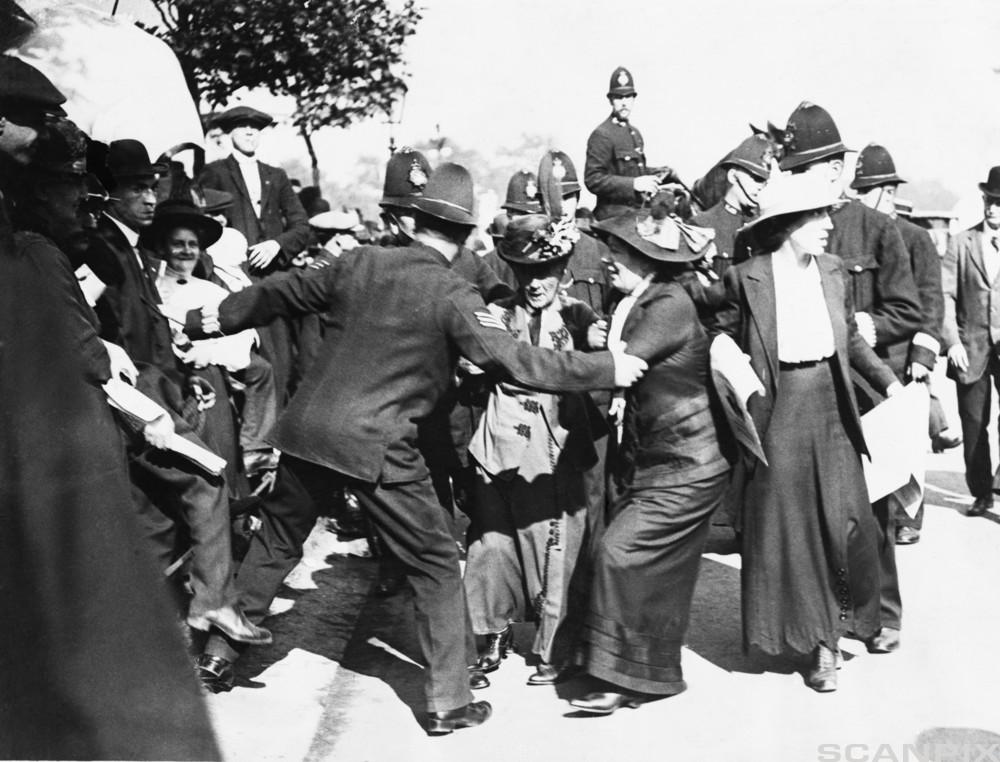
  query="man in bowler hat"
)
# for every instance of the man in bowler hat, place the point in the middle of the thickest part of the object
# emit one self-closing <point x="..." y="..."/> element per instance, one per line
<point x="971" y="282"/>
<point x="616" y="170"/>
<point x="354" y="420"/>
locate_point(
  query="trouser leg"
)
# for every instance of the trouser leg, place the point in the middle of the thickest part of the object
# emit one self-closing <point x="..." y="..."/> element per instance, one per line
<point x="974" y="411"/>
<point x="260" y="406"/>
<point x="202" y="504"/>
<point x="890" y="601"/>
<point x="287" y="516"/>
<point x="413" y="525"/>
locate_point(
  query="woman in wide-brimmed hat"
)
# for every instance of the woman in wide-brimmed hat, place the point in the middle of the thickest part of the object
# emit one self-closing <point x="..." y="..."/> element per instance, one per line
<point x="669" y="473"/>
<point x="810" y="571"/>
<point x="535" y="463"/>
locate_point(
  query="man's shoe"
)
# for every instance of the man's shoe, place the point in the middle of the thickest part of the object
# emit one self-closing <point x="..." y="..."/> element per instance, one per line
<point x="468" y="716"/>
<point x="907" y="535"/>
<point x="885" y="642"/>
<point x="945" y="440"/>
<point x="497" y="645"/>
<point x="607" y="702"/>
<point x="215" y="673"/>
<point x="232" y="622"/>
<point x="980" y="506"/>
<point x="822" y="675"/>
<point x="477" y="678"/>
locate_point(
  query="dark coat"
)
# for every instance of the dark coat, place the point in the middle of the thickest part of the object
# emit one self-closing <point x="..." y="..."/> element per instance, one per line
<point x="970" y="301"/>
<point x="615" y="157"/>
<point x="725" y="223"/>
<point x="72" y="562"/>
<point x="129" y="312"/>
<point x="668" y="434"/>
<point x="282" y="217"/>
<point x="749" y="318"/>
<point x="926" y="266"/>
<point x="401" y="319"/>
<point x="873" y="253"/>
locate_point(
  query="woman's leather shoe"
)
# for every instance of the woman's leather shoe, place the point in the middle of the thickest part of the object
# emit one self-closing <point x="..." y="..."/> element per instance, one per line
<point x="468" y="716"/>
<point x="477" y="678"/>
<point x="606" y="702"/>
<point x="497" y="645"/>
<point x="822" y="675"/>
<point x="231" y="621"/>
<point x="546" y="674"/>
<point x="885" y="642"/>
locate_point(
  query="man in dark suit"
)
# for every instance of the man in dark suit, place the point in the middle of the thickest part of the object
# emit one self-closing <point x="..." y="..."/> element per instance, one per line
<point x="166" y="489"/>
<point x="270" y="215"/>
<point x="354" y="420"/>
<point x="616" y="170"/>
<point x="885" y="297"/>
<point x="972" y="335"/>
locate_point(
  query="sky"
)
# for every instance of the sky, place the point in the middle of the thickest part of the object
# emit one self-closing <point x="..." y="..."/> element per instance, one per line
<point x="918" y="76"/>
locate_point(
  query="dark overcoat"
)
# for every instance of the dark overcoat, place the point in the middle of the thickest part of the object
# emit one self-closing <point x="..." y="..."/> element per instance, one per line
<point x="400" y="319"/>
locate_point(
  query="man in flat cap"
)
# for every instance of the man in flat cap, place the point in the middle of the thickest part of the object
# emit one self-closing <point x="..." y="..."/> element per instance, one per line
<point x="268" y="212"/>
<point x="616" y="170"/>
<point x="885" y="299"/>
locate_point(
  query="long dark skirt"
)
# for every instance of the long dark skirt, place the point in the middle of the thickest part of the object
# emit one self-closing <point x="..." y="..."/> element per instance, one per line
<point x="645" y="570"/>
<point x="524" y="544"/>
<point x="810" y="560"/>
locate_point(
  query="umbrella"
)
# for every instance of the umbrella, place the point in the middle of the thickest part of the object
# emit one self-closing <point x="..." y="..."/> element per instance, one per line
<point x="119" y="81"/>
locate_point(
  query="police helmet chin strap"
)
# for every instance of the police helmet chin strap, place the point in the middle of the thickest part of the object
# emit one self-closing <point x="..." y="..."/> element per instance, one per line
<point x="752" y="206"/>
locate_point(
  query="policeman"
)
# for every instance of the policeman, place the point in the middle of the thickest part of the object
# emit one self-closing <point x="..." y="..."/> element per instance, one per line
<point x="747" y="169"/>
<point x="586" y="278"/>
<point x="616" y="170"/>
<point x="522" y="198"/>
<point x="406" y="175"/>
<point x="876" y="181"/>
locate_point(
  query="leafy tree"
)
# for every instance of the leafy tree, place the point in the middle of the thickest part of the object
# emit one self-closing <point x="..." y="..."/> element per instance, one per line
<point x="341" y="60"/>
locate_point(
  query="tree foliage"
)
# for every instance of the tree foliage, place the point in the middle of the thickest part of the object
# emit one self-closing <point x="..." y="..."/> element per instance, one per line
<point x="340" y="59"/>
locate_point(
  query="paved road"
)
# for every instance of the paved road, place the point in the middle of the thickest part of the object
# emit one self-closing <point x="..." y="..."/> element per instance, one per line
<point x="341" y="681"/>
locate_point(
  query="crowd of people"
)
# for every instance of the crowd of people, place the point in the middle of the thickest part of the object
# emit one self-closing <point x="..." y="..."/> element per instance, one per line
<point x="198" y="366"/>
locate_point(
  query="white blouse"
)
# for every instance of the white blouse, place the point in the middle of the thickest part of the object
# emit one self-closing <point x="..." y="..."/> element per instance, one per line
<point x="805" y="333"/>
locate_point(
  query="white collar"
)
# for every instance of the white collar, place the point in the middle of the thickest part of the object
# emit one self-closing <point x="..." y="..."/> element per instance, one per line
<point x="130" y="235"/>
<point x="243" y="159"/>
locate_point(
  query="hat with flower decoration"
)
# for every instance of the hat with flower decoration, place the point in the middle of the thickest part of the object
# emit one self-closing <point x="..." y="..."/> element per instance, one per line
<point x="535" y="239"/>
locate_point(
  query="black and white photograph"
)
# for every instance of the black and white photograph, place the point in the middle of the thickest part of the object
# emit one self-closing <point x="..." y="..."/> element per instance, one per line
<point x="457" y="380"/>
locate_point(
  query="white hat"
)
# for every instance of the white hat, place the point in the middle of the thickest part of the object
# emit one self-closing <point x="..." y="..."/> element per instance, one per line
<point x="786" y="194"/>
<point x="337" y="221"/>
